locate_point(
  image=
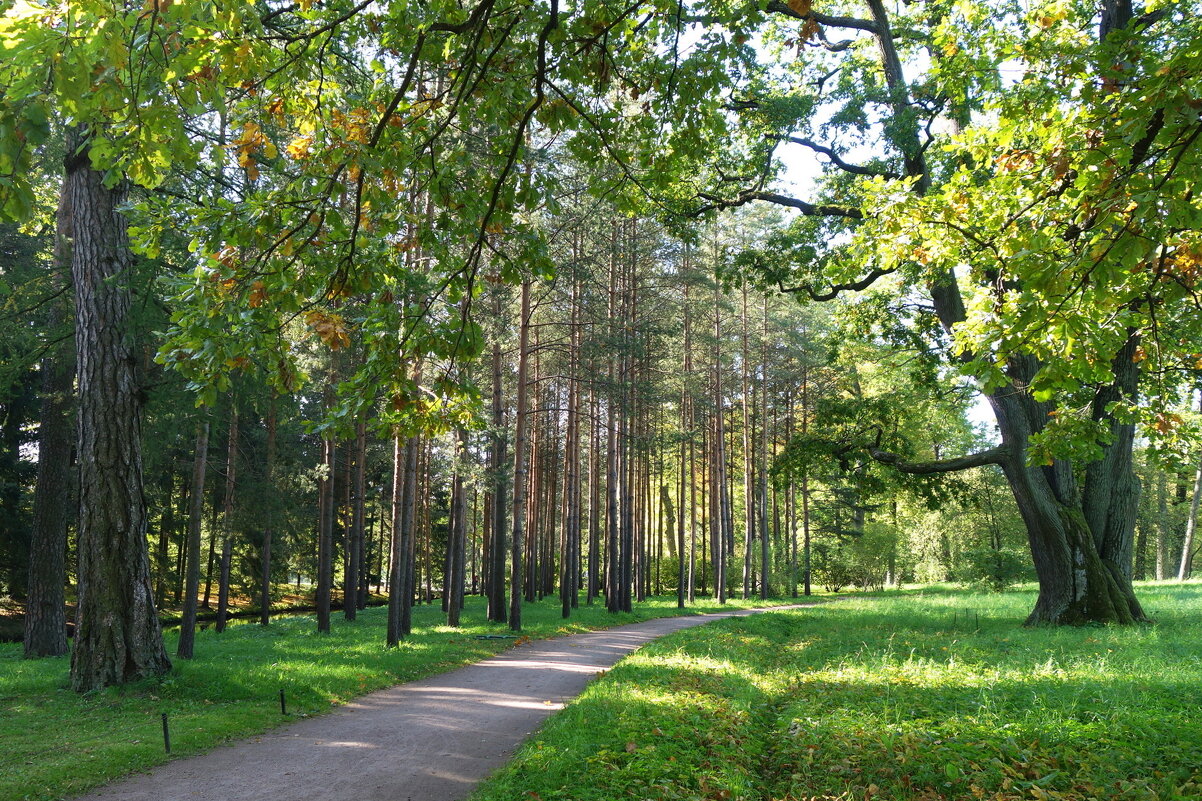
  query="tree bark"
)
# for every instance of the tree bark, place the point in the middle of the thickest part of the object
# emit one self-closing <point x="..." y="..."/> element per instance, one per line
<point x="227" y="513"/>
<point x="325" y="534"/>
<point x="45" y="610"/>
<point x="354" y="557"/>
<point x="497" y="611"/>
<point x="519" y="463"/>
<point x="187" y="628"/>
<point x="117" y="634"/>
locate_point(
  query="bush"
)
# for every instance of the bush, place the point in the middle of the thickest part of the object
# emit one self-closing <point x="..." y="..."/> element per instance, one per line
<point x="994" y="570"/>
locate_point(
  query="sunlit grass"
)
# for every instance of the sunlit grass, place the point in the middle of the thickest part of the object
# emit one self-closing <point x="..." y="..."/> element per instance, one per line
<point x="57" y="743"/>
<point x="917" y="695"/>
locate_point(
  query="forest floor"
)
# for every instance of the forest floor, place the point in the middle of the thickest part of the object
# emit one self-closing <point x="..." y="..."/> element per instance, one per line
<point x="907" y="696"/>
<point x="59" y="744"/>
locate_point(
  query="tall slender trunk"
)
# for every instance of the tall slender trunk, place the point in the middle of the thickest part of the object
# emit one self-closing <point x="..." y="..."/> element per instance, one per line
<point x="1191" y="525"/>
<point x="396" y="565"/>
<point x="765" y="560"/>
<point x="117" y="634"/>
<point x="187" y="629"/>
<point x="45" y="609"/>
<point x="457" y="539"/>
<point x="325" y="534"/>
<point x="354" y="556"/>
<point x="497" y="610"/>
<point x="269" y="523"/>
<point x="748" y="459"/>
<point x="720" y="500"/>
<point x="409" y="535"/>
<point x="227" y="513"/>
<point x="519" y="462"/>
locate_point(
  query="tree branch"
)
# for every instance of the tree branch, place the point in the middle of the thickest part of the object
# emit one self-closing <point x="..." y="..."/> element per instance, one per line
<point x="777" y="7"/>
<point x="992" y="456"/>
<point x="837" y="289"/>
<point x="809" y="209"/>
<point x="835" y="158"/>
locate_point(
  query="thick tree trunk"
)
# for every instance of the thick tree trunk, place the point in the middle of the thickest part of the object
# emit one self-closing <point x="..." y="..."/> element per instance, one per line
<point x="45" y="612"/>
<point x="1084" y="571"/>
<point x="117" y="634"/>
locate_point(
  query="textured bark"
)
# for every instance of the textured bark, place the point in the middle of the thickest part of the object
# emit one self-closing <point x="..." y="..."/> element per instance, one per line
<point x="408" y="526"/>
<point x="497" y="611"/>
<point x="519" y="464"/>
<point x="187" y="629"/>
<point x="325" y="536"/>
<point x="45" y="612"/>
<point x="118" y="638"/>
<point x="396" y="570"/>
<point x="748" y="499"/>
<point x="227" y="514"/>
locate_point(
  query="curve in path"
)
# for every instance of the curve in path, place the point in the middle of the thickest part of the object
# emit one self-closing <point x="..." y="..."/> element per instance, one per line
<point x="429" y="740"/>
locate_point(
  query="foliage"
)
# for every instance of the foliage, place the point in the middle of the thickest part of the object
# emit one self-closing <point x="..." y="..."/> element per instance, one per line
<point x="994" y="570"/>
<point x="894" y="697"/>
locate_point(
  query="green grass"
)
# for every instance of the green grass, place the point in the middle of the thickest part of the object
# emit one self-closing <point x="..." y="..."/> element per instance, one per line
<point x="56" y="743"/>
<point x="889" y="697"/>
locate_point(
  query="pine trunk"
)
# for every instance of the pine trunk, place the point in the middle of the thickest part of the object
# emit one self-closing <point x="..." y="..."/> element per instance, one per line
<point x="117" y="634"/>
<point x="187" y="628"/>
<point x="45" y="610"/>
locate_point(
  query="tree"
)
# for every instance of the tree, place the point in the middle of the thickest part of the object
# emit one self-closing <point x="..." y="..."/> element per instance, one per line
<point x="1030" y="260"/>
<point x="45" y="612"/>
<point x="118" y="637"/>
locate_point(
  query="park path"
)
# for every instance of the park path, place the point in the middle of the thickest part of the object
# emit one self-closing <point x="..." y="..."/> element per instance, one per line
<point x="429" y="740"/>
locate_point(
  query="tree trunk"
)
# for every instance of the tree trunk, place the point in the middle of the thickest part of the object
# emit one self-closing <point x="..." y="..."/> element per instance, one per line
<point x="231" y="462"/>
<point x="1191" y="524"/>
<point x="45" y="611"/>
<point x="269" y="524"/>
<point x="117" y="634"/>
<point x="187" y="628"/>
<point x="519" y="463"/>
<point x="354" y="556"/>
<point x="497" y="611"/>
<point x="325" y="534"/>
<point x="457" y="539"/>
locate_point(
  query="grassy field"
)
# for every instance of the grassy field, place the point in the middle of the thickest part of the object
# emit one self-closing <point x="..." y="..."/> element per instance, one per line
<point x="932" y="695"/>
<point x="56" y="743"/>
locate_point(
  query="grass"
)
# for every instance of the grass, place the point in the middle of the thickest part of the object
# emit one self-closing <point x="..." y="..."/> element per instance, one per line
<point x="57" y="743"/>
<point x="918" y="696"/>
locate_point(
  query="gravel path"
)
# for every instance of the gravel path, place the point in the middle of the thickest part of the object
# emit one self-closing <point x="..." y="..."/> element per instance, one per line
<point x="429" y="740"/>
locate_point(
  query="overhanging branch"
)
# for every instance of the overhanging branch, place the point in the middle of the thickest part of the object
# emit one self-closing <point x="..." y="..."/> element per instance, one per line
<point x="992" y="456"/>
<point x="809" y="209"/>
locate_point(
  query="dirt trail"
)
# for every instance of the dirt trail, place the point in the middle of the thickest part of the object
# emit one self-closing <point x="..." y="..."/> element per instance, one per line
<point x="430" y="740"/>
